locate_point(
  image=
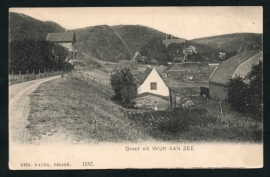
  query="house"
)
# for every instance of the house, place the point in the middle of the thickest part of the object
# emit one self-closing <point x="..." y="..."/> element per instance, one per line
<point x="174" y="69"/>
<point x="239" y="65"/>
<point x="152" y="91"/>
<point x="167" y="41"/>
<point x="65" y="39"/>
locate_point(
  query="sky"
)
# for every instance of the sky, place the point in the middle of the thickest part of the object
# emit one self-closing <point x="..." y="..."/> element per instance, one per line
<point x="183" y="22"/>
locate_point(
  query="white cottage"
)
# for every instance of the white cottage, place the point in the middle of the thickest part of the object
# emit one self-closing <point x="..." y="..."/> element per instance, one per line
<point x="152" y="91"/>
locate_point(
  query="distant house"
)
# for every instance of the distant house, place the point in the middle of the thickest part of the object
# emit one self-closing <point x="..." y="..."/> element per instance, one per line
<point x="174" y="69"/>
<point x="152" y="91"/>
<point x="167" y="41"/>
<point x="239" y="65"/>
<point x="65" y="39"/>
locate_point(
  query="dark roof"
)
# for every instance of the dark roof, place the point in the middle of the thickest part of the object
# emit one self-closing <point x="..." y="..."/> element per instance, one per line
<point x="152" y="94"/>
<point x="61" y="37"/>
<point x="142" y="76"/>
<point x="175" y="67"/>
<point x="227" y="68"/>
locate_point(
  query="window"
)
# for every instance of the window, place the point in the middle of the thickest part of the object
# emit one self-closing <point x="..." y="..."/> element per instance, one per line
<point x="153" y="85"/>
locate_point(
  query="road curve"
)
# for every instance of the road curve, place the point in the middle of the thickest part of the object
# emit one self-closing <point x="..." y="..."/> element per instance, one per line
<point x="19" y="102"/>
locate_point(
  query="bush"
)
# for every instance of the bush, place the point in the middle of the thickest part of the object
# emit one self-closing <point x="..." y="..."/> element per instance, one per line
<point x="245" y="95"/>
<point x="36" y="55"/>
<point x="125" y="87"/>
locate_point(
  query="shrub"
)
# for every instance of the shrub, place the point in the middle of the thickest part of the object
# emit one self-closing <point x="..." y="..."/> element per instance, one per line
<point x="125" y="87"/>
<point x="245" y="95"/>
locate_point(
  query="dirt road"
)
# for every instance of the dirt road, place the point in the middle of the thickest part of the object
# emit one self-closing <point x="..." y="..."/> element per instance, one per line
<point x="19" y="101"/>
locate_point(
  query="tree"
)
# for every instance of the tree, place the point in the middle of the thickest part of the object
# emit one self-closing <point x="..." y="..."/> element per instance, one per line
<point x="125" y="87"/>
<point x="245" y="95"/>
<point x="237" y="89"/>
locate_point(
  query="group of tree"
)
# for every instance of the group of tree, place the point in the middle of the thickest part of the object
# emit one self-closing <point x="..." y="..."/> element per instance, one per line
<point x="245" y="94"/>
<point x="37" y="55"/>
<point x="125" y="87"/>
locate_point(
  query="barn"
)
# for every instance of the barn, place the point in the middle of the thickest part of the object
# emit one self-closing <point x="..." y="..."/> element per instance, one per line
<point x="239" y="65"/>
<point x="152" y="91"/>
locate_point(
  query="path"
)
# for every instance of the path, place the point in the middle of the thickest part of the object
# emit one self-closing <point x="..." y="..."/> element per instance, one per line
<point x="123" y="42"/>
<point x="19" y="102"/>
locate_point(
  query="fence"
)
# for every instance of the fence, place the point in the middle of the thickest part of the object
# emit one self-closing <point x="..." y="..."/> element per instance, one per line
<point x="17" y="78"/>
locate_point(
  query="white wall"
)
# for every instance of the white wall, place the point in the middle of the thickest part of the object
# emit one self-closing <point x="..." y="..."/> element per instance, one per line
<point x="162" y="89"/>
<point x="68" y="45"/>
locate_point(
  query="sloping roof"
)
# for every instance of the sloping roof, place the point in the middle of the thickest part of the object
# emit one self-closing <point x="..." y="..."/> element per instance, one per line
<point x="131" y="64"/>
<point x="141" y="77"/>
<point x="61" y="37"/>
<point x="227" y="68"/>
<point x="175" y="67"/>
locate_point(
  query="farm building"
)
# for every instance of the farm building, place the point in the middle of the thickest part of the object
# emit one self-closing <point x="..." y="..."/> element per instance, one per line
<point x="65" y="39"/>
<point x="152" y="91"/>
<point x="174" y="69"/>
<point x="239" y="65"/>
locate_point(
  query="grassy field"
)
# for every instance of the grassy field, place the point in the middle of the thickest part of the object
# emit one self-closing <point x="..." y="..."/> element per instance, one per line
<point x="69" y="109"/>
<point x="80" y="113"/>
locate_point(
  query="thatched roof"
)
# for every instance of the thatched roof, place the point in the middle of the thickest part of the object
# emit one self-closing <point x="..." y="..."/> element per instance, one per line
<point x="227" y="68"/>
<point x="174" y="67"/>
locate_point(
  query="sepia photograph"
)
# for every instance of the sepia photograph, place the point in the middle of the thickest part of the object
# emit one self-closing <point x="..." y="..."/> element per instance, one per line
<point x="135" y="87"/>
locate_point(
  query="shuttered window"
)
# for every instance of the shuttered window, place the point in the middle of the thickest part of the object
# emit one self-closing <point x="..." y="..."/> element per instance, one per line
<point x="153" y="85"/>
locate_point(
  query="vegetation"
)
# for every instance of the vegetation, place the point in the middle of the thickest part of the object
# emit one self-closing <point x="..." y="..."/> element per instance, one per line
<point x="23" y="27"/>
<point x="70" y="110"/>
<point x="136" y="36"/>
<point x="115" y="43"/>
<point x="102" y="43"/>
<point x="37" y="55"/>
<point x="125" y="87"/>
<point x="245" y="95"/>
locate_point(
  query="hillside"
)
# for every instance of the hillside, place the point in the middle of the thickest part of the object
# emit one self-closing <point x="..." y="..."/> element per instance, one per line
<point x="120" y="42"/>
<point x="25" y="27"/>
<point x="101" y="42"/>
<point x="136" y="36"/>
<point x="231" y="44"/>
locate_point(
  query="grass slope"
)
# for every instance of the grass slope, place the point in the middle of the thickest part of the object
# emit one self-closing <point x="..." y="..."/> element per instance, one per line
<point x="69" y="109"/>
<point x="231" y="44"/>
<point x="101" y="42"/>
<point x="25" y="27"/>
<point x="136" y="36"/>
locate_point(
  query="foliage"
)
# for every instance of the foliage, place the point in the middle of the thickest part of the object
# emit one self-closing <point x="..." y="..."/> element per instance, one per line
<point x="155" y="48"/>
<point x="22" y="27"/>
<point x="125" y="87"/>
<point x="36" y="55"/>
<point x="245" y="95"/>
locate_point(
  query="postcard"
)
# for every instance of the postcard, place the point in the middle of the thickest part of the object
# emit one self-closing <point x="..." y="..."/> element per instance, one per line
<point x="135" y="87"/>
